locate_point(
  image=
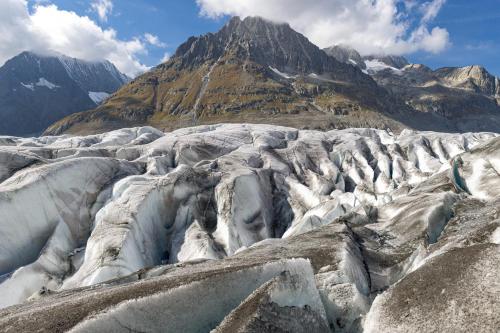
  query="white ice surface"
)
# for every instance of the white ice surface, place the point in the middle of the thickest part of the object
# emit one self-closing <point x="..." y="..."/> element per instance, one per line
<point x="205" y="192"/>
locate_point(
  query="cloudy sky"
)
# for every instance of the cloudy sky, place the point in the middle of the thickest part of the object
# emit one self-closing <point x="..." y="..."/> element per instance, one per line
<point x="138" y="34"/>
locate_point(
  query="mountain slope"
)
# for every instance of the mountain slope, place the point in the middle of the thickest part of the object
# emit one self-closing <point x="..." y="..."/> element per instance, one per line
<point x="252" y="70"/>
<point x="36" y="90"/>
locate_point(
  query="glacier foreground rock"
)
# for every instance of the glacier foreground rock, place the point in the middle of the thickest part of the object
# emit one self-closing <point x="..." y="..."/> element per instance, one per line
<point x="250" y="228"/>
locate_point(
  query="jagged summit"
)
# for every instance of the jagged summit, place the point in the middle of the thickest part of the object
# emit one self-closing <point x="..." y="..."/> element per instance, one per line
<point x="261" y="41"/>
<point x="346" y="54"/>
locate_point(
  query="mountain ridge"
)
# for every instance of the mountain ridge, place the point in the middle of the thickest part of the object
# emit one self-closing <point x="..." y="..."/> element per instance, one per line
<point x="257" y="71"/>
<point x="252" y="70"/>
<point x="468" y="96"/>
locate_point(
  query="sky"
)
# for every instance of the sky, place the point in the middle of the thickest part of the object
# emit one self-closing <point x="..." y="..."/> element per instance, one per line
<point x="138" y="34"/>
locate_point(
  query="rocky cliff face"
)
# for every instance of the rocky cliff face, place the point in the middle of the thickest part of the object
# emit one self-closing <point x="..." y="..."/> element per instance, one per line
<point x="36" y="90"/>
<point x="250" y="228"/>
<point x="252" y="70"/>
<point x="475" y="78"/>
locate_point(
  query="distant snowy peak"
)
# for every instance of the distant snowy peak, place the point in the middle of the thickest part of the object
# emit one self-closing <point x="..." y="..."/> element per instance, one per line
<point x="94" y="76"/>
<point x="99" y="76"/>
<point x="44" y="88"/>
<point x="81" y="71"/>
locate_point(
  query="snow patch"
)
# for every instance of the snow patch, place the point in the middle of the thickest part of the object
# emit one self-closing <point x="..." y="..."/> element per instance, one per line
<point x="283" y="75"/>
<point x="29" y="86"/>
<point x="42" y="82"/>
<point x="98" y="96"/>
<point x="376" y="65"/>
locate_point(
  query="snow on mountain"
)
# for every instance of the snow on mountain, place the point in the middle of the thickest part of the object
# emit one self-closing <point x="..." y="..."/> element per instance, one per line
<point x="42" y="82"/>
<point x="29" y="86"/>
<point x="376" y="65"/>
<point x="260" y="224"/>
<point x="98" y="97"/>
<point x="283" y="75"/>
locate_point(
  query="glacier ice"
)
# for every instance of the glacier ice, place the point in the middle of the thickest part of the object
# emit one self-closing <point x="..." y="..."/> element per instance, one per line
<point x="234" y="219"/>
<point x="98" y="96"/>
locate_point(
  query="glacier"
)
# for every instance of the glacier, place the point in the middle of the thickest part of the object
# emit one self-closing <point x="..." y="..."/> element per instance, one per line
<point x="98" y="96"/>
<point x="245" y="228"/>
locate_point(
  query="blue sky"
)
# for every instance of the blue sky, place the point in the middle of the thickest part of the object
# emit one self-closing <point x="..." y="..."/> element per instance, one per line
<point x="474" y="28"/>
<point x="173" y="21"/>
<point x="434" y="32"/>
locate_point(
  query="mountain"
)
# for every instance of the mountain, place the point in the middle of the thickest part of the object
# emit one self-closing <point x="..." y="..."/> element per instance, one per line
<point x="388" y="60"/>
<point x="346" y="55"/>
<point x="466" y="98"/>
<point x="37" y="90"/>
<point x="258" y="71"/>
<point x="252" y="70"/>
<point x="250" y="228"/>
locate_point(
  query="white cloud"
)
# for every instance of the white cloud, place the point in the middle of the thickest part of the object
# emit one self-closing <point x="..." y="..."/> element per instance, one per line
<point x="154" y="40"/>
<point x="103" y="8"/>
<point x="370" y="26"/>
<point x="166" y="57"/>
<point x="48" y="29"/>
<point x="431" y="9"/>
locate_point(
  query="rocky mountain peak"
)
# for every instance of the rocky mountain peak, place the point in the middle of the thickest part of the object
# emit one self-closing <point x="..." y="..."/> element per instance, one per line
<point x="255" y="24"/>
<point x="259" y="40"/>
<point x="473" y="77"/>
<point x="346" y="54"/>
